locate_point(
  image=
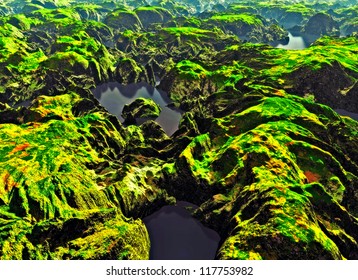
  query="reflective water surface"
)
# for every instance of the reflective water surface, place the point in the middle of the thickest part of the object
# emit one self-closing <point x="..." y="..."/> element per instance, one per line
<point x="294" y="43"/>
<point x="113" y="96"/>
<point x="176" y="235"/>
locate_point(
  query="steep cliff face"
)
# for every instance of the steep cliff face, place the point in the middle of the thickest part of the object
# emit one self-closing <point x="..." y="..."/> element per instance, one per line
<point x="273" y="170"/>
<point x="322" y="24"/>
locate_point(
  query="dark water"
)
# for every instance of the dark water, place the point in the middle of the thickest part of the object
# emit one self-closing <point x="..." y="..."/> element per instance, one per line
<point x="25" y="103"/>
<point x="346" y="113"/>
<point x="113" y="96"/>
<point x="294" y="43"/>
<point x="176" y="235"/>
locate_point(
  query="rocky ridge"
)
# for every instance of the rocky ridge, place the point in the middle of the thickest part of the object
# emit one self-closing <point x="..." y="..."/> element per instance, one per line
<point x="273" y="170"/>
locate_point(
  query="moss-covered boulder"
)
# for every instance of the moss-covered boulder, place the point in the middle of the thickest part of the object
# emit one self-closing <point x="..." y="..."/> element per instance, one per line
<point x="80" y="54"/>
<point x="122" y="20"/>
<point x="149" y="16"/>
<point x="140" y="108"/>
<point x="62" y="194"/>
<point x="248" y="26"/>
<point x="269" y="182"/>
<point x="272" y="170"/>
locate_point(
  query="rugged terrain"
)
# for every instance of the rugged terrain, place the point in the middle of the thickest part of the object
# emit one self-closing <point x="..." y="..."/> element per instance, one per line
<point x="272" y="167"/>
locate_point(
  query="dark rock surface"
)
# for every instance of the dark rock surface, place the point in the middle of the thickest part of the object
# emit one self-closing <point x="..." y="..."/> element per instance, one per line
<point x="140" y="108"/>
<point x="322" y="24"/>
<point x="271" y="166"/>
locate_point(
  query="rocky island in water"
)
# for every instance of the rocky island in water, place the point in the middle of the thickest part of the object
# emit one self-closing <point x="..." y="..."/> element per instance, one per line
<point x="120" y="119"/>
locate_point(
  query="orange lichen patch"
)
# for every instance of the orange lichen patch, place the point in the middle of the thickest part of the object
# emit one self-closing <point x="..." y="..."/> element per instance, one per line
<point x="32" y="125"/>
<point x="20" y="147"/>
<point x="280" y="92"/>
<point x="311" y="177"/>
<point x="290" y="143"/>
<point x="281" y="200"/>
<point x="24" y="154"/>
<point x="36" y="124"/>
<point x="302" y="223"/>
<point x="9" y="182"/>
<point x="44" y="111"/>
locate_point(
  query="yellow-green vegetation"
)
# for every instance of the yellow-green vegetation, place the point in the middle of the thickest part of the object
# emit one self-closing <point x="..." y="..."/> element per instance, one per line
<point x="324" y="52"/>
<point x="188" y="31"/>
<point x="47" y="188"/>
<point x="123" y="19"/>
<point x="58" y="17"/>
<point x="22" y="21"/>
<point x="191" y="70"/>
<point x="109" y="241"/>
<point x="237" y="8"/>
<point x="225" y="75"/>
<point x="300" y="8"/>
<point x="260" y="65"/>
<point x="10" y="42"/>
<point x="270" y="172"/>
<point x="83" y="51"/>
<point x="245" y="18"/>
<point x="18" y="58"/>
<point x="141" y="108"/>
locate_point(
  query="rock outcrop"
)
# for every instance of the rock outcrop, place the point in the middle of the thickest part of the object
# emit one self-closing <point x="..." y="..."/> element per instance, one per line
<point x="140" y="108"/>
<point x="322" y="24"/>
<point x="271" y="166"/>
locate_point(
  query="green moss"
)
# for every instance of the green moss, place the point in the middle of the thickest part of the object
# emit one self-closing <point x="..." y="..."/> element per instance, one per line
<point x="83" y="54"/>
<point x="30" y="62"/>
<point x="188" y="31"/>
<point x="22" y="21"/>
<point x="275" y="173"/>
<point x="109" y="241"/>
<point x="141" y="108"/>
<point x="246" y="18"/>
<point x="191" y="70"/>
<point x="123" y="19"/>
<point x="324" y="52"/>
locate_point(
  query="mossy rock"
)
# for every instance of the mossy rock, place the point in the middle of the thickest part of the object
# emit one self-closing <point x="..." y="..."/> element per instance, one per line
<point x="152" y="15"/>
<point x="127" y="71"/>
<point x="322" y="24"/>
<point x="140" y="108"/>
<point x="80" y="54"/>
<point x="272" y="170"/>
<point x="58" y="203"/>
<point x="263" y="176"/>
<point x="123" y="20"/>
